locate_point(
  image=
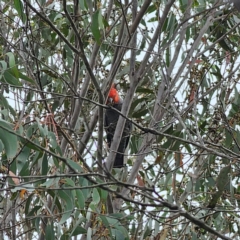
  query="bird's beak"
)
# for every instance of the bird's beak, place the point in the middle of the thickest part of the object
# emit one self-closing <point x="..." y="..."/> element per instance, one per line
<point x="110" y="101"/>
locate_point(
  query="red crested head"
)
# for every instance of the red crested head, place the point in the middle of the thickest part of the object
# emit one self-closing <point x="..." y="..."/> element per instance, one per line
<point x="113" y="95"/>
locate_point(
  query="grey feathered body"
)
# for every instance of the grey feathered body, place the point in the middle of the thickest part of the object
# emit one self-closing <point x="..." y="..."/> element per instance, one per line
<point x="111" y="119"/>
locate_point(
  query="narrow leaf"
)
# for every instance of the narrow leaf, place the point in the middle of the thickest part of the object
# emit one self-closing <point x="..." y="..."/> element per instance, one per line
<point x="74" y="165"/>
<point x="49" y="232"/>
<point x="26" y="78"/>
<point x="80" y="199"/>
<point x="79" y="230"/>
<point x="19" y="7"/>
<point x="8" y="139"/>
<point x="9" y="78"/>
<point x="95" y="27"/>
<point x="95" y="196"/>
<point x="4" y="65"/>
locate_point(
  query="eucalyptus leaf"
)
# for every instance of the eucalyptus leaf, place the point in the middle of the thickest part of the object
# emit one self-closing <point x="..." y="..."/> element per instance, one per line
<point x="8" y="139"/>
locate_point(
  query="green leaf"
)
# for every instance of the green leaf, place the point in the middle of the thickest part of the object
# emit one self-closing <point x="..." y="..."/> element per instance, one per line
<point x="43" y="130"/>
<point x="171" y="25"/>
<point x="95" y="27"/>
<point x="10" y="79"/>
<point x="74" y="165"/>
<point x="144" y="90"/>
<point x="49" y="232"/>
<point x="79" y="230"/>
<point x="50" y="183"/>
<point x="140" y="113"/>
<point x="65" y="217"/>
<point x="183" y="5"/>
<point x="53" y="140"/>
<point x="124" y="71"/>
<point x="69" y="206"/>
<point x="95" y="196"/>
<point x="1" y="146"/>
<point x="67" y="197"/>
<point x="69" y="182"/>
<point x="65" y="236"/>
<point x="5" y="104"/>
<point x="147" y="232"/>
<point x="57" y="200"/>
<point x="8" y="139"/>
<point x="104" y="194"/>
<point x="31" y="130"/>
<point x="26" y="78"/>
<point x="34" y="211"/>
<point x="44" y="164"/>
<point x="82" y="4"/>
<point x="228" y="138"/>
<point x="11" y="59"/>
<point x="168" y="56"/>
<point x="221" y="183"/>
<point x="84" y="183"/>
<point x="37" y="222"/>
<point x="4" y="65"/>
<point x="100" y="20"/>
<point x="188" y="34"/>
<point x="24" y="170"/>
<point x="104" y="220"/>
<point x="152" y="8"/>
<point x="24" y="154"/>
<point x="118" y="234"/>
<point x="80" y="199"/>
<point x="19" y="7"/>
<point x="112" y="221"/>
<point x="12" y="64"/>
<point x="28" y="204"/>
<point x="194" y="236"/>
<point x="135" y="103"/>
<point x="223" y="178"/>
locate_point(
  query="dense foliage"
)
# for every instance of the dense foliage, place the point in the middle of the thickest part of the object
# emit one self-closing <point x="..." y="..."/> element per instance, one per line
<point x="176" y="63"/>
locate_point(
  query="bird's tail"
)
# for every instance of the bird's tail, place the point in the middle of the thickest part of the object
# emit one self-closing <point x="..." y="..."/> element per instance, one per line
<point x="119" y="161"/>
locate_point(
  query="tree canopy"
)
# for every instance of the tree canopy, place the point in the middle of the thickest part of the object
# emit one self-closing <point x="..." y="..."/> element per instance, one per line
<point x="176" y="65"/>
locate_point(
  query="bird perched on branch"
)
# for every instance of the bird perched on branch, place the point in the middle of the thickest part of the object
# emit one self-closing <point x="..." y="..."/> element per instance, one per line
<point x="111" y="119"/>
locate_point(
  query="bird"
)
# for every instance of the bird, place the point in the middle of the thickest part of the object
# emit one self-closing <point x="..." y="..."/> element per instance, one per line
<point x="110" y="123"/>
